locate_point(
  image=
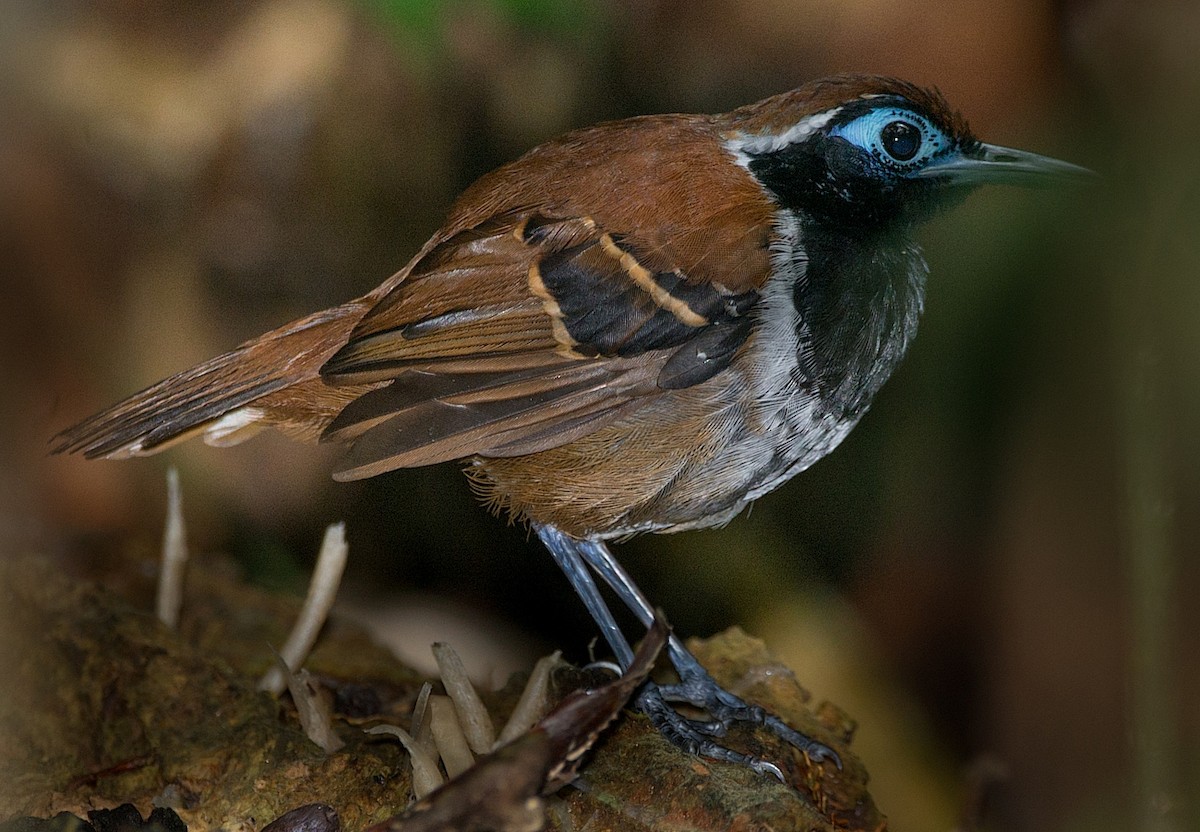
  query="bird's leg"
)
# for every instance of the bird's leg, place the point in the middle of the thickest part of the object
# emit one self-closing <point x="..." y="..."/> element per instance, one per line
<point x="565" y="551"/>
<point x="691" y="735"/>
<point x="696" y="686"/>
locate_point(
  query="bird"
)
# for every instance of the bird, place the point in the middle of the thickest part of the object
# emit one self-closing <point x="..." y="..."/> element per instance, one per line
<point x="640" y="326"/>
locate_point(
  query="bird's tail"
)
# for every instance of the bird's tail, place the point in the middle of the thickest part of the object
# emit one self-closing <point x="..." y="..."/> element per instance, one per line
<point x="272" y="381"/>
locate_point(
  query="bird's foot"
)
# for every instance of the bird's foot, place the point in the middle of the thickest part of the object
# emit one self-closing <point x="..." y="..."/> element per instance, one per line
<point x="693" y="735"/>
<point x="724" y="709"/>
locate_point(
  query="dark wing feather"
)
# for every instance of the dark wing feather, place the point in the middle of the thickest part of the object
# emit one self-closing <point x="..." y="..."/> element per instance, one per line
<point x="520" y="337"/>
<point x="532" y="415"/>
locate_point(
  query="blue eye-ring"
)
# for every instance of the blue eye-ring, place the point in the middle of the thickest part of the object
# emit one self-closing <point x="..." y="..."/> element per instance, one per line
<point x="897" y="137"/>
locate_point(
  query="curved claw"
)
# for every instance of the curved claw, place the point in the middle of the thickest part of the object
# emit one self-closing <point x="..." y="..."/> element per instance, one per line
<point x="764" y="767"/>
<point x="818" y="752"/>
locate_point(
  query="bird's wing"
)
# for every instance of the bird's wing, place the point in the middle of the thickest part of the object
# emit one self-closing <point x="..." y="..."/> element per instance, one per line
<point x="521" y="334"/>
<point x="514" y="330"/>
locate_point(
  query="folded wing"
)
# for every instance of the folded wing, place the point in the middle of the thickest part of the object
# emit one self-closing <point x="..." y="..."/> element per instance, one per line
<point x="520" y="336"/>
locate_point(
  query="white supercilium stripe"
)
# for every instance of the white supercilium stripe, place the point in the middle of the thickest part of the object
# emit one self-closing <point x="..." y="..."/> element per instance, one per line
<point x="743" y="145"/>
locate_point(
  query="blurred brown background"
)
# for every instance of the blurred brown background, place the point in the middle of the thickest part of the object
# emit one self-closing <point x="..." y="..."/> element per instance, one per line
<point x="998" y="569"/>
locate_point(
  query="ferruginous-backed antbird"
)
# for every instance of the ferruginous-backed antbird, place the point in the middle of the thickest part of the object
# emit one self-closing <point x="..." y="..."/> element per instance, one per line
<point x="641" y="326"/>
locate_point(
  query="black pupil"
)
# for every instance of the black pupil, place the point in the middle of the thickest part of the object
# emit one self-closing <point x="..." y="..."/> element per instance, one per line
<point x="901" y="140"/>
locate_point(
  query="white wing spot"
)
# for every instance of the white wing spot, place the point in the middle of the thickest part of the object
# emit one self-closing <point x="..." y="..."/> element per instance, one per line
<point x="234" y="427"/>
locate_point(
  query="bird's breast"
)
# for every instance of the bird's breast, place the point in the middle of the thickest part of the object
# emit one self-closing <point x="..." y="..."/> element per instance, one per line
<point x="833" y="322"/>
<point x="695" y="457"/>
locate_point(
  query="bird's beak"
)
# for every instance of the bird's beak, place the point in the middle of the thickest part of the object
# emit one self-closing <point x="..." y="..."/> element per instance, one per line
<point x="991" y="164"/>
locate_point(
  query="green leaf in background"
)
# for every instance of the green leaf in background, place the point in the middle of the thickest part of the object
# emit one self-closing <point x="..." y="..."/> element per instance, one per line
<point x="422" y="18"/>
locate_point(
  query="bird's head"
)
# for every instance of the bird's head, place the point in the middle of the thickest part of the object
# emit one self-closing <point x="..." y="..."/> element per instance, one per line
<point x="873" y="152"/>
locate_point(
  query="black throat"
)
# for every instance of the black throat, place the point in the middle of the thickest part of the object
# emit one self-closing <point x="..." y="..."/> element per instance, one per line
<point x="858" y="296"/>
<point x="860" y="278"/>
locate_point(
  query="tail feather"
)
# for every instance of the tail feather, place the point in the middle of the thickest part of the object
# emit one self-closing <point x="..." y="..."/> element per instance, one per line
<point x="220" y="398"/>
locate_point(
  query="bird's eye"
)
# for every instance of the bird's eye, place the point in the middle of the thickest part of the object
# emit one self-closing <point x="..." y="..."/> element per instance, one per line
<point x="901" y="140"/>
<point x="898" y="138"/>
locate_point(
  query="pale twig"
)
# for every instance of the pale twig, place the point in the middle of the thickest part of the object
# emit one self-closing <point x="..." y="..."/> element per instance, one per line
<point x="476" y="724"/>
<point x="448" y="734"/>
<point x="321" y="592"/>
<point x="421" y="719"/>
<point x="534" y="699"/>
<point x="426" y="776"/>
<point x="313" y="709"/>
<point x="174" y="556"/>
